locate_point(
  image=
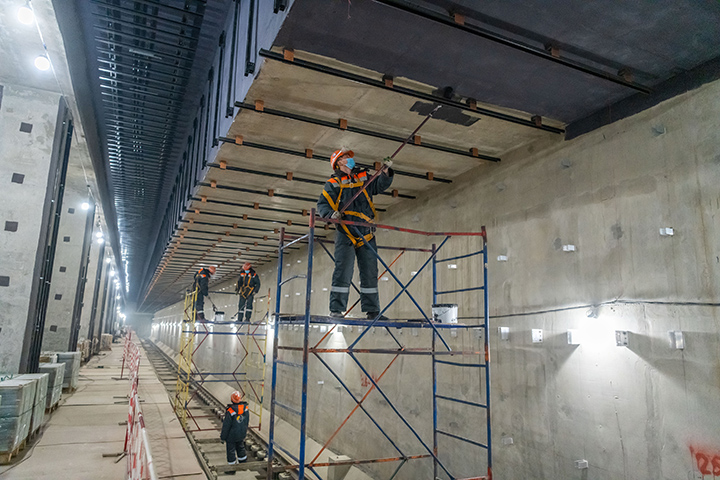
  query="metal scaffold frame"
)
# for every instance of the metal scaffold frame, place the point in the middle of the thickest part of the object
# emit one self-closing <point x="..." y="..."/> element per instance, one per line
<point x="439" y="351"/>
<point x="252" y="339"/>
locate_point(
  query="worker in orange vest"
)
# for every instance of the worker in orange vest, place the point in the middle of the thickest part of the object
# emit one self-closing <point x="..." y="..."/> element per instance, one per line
<point x="200" y="285"/>
<point x="353" y="242"/>
<point x="247" y="286"/>
<point x="234" y="429"/>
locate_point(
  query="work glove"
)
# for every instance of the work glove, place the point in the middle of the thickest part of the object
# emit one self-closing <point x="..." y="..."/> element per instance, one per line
<point x="336" y="215"/>
<point x="388" y="162"/>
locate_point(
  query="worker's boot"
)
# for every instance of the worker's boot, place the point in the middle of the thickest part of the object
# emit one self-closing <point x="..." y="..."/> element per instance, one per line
<point x="337" y="315"/>
<point x="373" y="316"/>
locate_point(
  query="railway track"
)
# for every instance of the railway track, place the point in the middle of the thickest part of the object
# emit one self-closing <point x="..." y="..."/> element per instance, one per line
<point x="208" y="412"/>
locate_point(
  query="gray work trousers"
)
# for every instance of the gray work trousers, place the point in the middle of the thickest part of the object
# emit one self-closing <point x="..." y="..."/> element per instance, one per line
<point x="345" y="254"/>
<point x="245" y="305"/>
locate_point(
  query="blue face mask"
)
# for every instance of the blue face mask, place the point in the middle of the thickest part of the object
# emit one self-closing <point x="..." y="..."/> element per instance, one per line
<point x="247" y="271"/>
<point x="350" y="163"/>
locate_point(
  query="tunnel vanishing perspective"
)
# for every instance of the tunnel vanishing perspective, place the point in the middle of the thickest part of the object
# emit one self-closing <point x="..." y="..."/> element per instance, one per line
<point x="370" y="239"/>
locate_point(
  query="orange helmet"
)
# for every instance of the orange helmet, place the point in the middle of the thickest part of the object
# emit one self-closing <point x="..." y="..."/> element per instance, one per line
<point x="247" y="266"/>
<point x="211" y="269"/>
<point x="235" y="397"/>
<point x="337" y="154"/>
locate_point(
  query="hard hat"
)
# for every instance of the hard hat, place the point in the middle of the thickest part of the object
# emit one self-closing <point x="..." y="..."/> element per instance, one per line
<point x="339" y="153"/>
<point x="211" y="269"/>
<point x="247" y="266"/>
<point x="235" y="397"/>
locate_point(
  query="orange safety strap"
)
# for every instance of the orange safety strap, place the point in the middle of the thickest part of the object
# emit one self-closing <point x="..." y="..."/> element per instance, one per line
<point x="335" y="205"/>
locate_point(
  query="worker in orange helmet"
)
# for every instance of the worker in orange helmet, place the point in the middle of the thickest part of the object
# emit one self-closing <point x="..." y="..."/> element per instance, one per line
<point x="247" y="286"/>
<point x="200" y="285"/>
<point x="234" y="429"/>
<point x="353" y="242"/>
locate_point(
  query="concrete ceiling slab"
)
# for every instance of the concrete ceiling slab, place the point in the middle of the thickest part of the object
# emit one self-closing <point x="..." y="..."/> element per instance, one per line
<point x="652" y="39"/>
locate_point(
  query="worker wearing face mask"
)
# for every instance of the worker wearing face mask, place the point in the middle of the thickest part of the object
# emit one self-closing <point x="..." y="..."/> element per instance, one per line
<point x="352" y="242"/>
<point x="247" y="286"/>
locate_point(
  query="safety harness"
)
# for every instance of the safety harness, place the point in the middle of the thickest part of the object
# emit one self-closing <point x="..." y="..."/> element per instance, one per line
<point x="345" y="182"/>
<point x="244" y="287"/>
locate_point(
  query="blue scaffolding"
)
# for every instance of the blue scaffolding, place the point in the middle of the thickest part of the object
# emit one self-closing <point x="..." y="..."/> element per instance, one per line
<point x="439" y="350"/>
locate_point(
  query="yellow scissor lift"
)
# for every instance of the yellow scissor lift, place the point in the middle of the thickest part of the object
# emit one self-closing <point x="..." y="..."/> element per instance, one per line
<point x="249" y="375"/>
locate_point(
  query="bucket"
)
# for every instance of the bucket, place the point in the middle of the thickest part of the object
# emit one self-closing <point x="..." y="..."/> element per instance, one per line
<point x="445" y="312"/>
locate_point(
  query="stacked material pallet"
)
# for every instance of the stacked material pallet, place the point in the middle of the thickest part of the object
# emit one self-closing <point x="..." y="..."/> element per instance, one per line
<point x="48" y="357"/>
<point x="40" y="402"/>
<point x="16" y="409"/>
<point x="83" y="347"/>
<point x="55" y="382"/>
<point x="106" y="341"/>
<point x="72" y="368"/>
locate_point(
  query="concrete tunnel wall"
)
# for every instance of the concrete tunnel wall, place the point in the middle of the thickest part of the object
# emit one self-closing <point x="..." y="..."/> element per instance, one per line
<point x="637" y="412"/>
<point x="24" y="177"/>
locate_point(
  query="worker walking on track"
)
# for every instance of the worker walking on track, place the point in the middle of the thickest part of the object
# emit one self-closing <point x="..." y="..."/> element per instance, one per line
<point x="234" y="429"/>
<point x="200" y="285"/>
<point x="246" y="287"/>
<point x="350" y="241"/>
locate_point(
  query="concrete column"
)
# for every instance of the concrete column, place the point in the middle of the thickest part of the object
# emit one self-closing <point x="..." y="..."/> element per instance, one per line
<point x="68" y="261"/>
<point x="27" y="128"/>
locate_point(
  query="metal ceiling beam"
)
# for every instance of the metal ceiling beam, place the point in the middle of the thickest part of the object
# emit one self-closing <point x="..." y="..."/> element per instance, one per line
<point x="322" y="158"/>
<point x="182" y="83"/>
<point x="248" y="219"/>
<point x="449" y="21"/>
<point x="104" y="17"/>
<point x="259" y="192"/>
<point x="139" y="53"/>
<point x="134" y="57"/>
<point x="129" y="125"/>
<point x="230" y="227"/>
<point x="144" y="15"/>
<point x="217" y="234"/>
<point x="335" y="72"/>
<point x="180" y="11"/>
<point x="117" y="97"/>
<point x="160" y="54"/>
<point x="362" y="131"/>
<point x="260" y="207"/>
<point x="162" y="93"/>
<point x="122" y="34"/>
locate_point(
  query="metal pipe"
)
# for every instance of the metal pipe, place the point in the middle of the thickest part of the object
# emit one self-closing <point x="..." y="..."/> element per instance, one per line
<point x="486" y="314"/>
<point x="458" y="437"/>
<point x="400" y="229"/>
<point x="276" y="330"/>
<point x="306" y="341"/>
<point x="465" y="402"/>
<point x="461" y="290"/>
<point x="322" y="158"/>
<point x="479" y="252"/>
<point x="361" y="131"/>
<point x="514" y="44"/>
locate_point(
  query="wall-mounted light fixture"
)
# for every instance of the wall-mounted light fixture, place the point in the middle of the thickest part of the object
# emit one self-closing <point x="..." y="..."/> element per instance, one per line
<point x="504" y="333"/>
<point x="537" y="335"/>
<point x="677" y="340"/>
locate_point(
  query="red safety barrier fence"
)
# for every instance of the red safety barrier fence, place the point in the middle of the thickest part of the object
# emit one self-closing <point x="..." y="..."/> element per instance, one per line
<point x="137" y="447"/>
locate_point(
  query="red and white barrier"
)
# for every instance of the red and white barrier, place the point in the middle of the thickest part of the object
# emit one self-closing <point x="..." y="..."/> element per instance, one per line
<point x="137" y="447"/>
